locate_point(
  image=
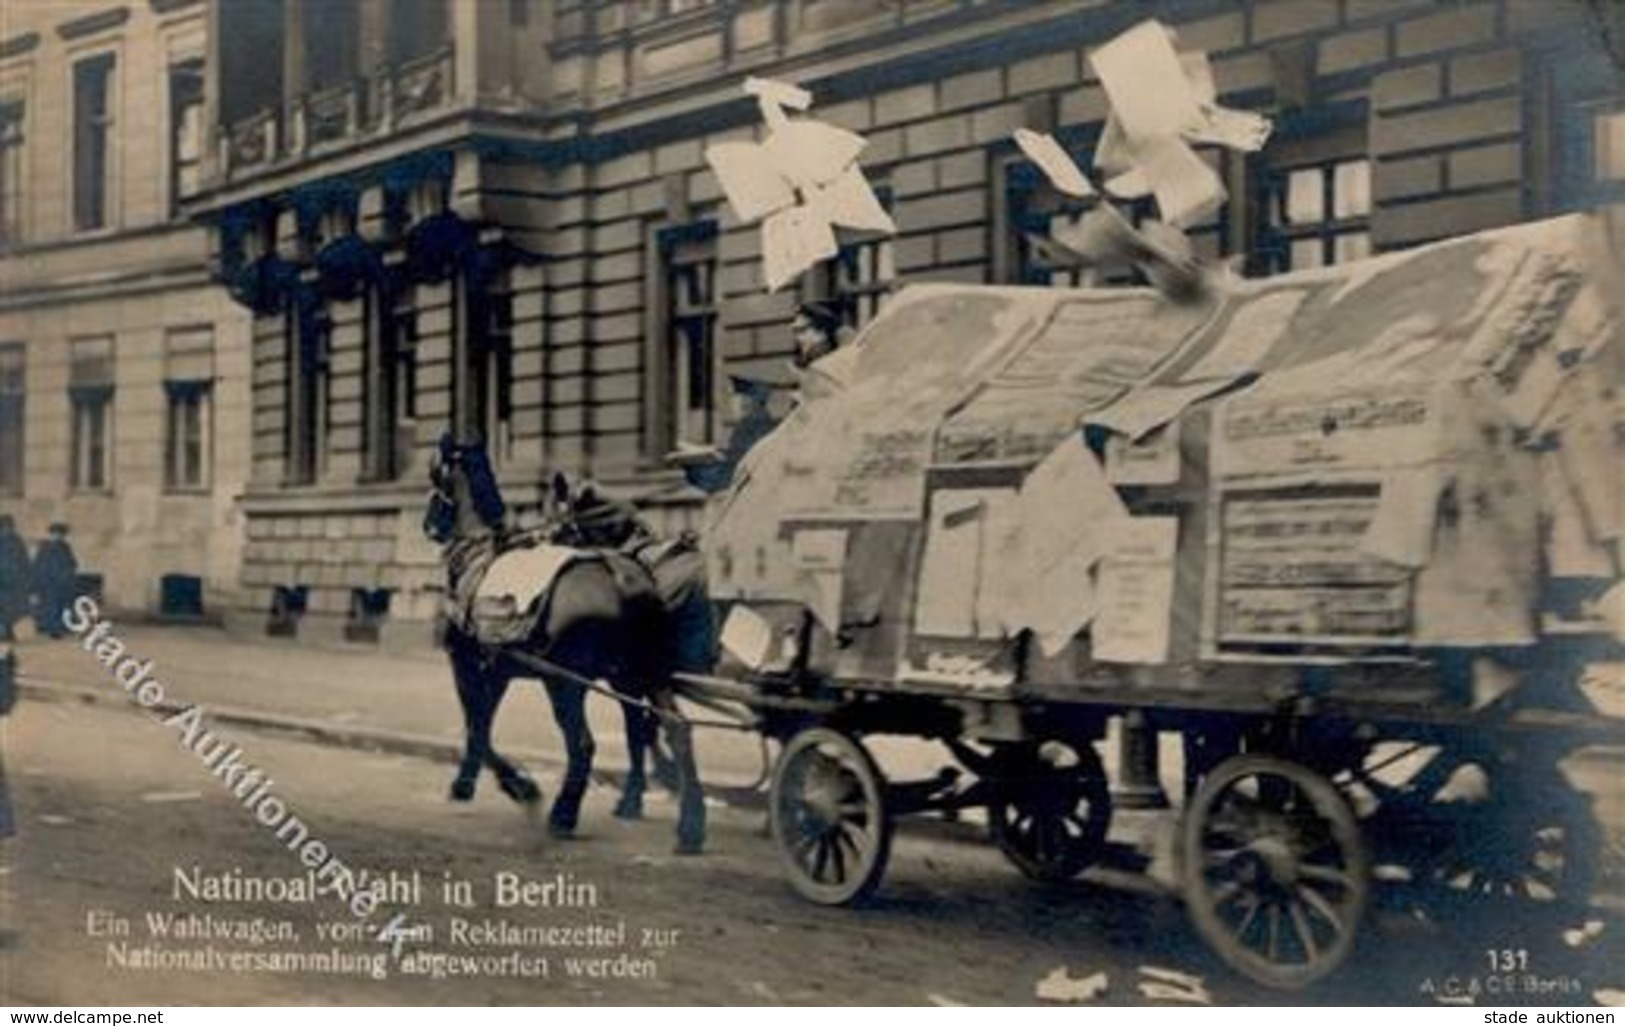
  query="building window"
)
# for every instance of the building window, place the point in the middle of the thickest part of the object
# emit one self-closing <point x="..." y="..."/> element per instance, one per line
<point x="309" y="343"/>
<point x="92" y="408"/>
<point x="688" y="357"/>
<point x="391" y="383"/>
<point x="186" y="462"/>
<point x="11" y="418"/>
<point x="332" y="38"/>
<point x="491" y="370"/>
<point x="1582" y="138"/>
<point x="185" y="131"/>
<point x="90" y="395"/>
<point x="188" y="384"/>
<point x="11" y="172"/>
<point x="860" y="277"/>
<point x="1608" y="145"/>
<point x="1316" y="215"/>
<point x="92" y="140"/>
<point x="420" y="27"/>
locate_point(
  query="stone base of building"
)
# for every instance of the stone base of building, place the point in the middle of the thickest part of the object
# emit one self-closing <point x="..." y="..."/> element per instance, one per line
<point x="401" y="636"/>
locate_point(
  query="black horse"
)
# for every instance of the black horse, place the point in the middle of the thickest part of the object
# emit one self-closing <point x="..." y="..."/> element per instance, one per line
<point x="602" y="620"/>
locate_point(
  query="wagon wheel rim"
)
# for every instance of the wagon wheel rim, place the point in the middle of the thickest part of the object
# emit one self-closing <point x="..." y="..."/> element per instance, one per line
<point x="1277" y="877"/>
<point x="829" y="817"/>
<point x="1528" y="840"/>
<point x="1536" y="849"/>
<point x="1048" y="818"/>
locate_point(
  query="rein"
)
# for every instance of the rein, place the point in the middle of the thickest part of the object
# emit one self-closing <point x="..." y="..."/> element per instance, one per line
<point x="601" y="687"/>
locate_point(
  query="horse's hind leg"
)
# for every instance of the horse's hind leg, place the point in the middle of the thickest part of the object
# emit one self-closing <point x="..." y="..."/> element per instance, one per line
<point x="690" y="795"/>
<point x="570" y="712"/>
<point x="641" y="729"/>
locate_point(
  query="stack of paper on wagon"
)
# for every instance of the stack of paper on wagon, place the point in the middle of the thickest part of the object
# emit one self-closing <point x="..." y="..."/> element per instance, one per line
<point x="1417" y="450"/>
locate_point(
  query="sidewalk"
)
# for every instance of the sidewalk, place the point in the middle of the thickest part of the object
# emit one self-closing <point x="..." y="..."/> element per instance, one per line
<point x="350" y="695"/>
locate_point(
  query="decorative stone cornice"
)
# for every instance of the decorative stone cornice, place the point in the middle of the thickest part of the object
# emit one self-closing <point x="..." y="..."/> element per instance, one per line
<point x="90" y="24"/>
<point x="16" y="46"/>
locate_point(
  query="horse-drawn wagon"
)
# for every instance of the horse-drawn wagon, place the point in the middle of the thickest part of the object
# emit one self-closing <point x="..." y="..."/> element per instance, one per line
<point x="1353" y="534"/>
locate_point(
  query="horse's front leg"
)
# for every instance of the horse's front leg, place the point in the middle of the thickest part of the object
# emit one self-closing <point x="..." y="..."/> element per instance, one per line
<point x="570" y="712"/>
<point x="690" y="794"/>
<point x="641" y="728"/>
<point x="479" y="691"/>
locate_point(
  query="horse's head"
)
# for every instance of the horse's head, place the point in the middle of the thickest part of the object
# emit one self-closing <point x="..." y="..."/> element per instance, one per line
<point x="464" y="500"/>
<point x="585" y="519"/>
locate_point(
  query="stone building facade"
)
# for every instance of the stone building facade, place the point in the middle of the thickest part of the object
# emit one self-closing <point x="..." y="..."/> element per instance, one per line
<point x="496" y="215"/>
<point x="123" y="367"/>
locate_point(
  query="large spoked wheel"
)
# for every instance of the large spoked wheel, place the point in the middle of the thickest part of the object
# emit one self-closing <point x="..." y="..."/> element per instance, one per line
<point x="1491" y="834"/>
<point x="1276" y="875"/>
<point x="1051" y="809"/>
<point x="829" y="817"/>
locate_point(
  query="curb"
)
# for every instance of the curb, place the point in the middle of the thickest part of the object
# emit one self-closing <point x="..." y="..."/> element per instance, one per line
<point x="332" y="735"/>
<point x="319" y="731"/>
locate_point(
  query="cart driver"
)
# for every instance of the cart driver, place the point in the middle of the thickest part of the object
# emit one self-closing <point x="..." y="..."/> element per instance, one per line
<point x="819" y="334"/>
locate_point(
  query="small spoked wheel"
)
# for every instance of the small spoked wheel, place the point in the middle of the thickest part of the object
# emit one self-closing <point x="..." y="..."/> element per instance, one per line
<point x="1050" y="810"/>
<point x="829" y="818"/>
<point x="1277" y="877"/>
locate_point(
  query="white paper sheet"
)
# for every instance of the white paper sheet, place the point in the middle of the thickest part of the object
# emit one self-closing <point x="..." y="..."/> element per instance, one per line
<point x="1149" y="407"/>
<point x="792" y="241"/>
<point x="1199" y="74"/>
<point x="1058" y="604"/>
<point x="773" y="97"/>
<point x="1065" y="503"/>
<point x="1100" y="236"/>
<point x="1591" y="457"/>
<point x="811" y="153"/>
<point x="1236" y="129"/>
<point x="960" y="546"/>
<point x="754" y="188"/>
<point x="1187" y="189"/>
<point x="1061" y="523"/>
<point x="848" y="201"/>
<point x="1063" y="173"/>
<point x="820" y="560"/>
<point x="1401" y="532"/>
<point x="819" y="549"/>
<point x="1152" y="460"/>
<point x="1137" y="592"/>
<point x="747" y="636"/>
<point x="1145" y="82"/>
<point x="1112" y="156"/>
<point x="1611" y="609"/>
<point x="1160" y="100"/>
<point x="1254" y="330"/>
<point x="1570" y="550"/>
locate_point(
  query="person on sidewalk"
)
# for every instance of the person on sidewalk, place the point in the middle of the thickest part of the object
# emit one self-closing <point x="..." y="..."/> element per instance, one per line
<point x="14" y="581"/>
<point x="56" y="575"/>
<point x="8" y="698"/>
